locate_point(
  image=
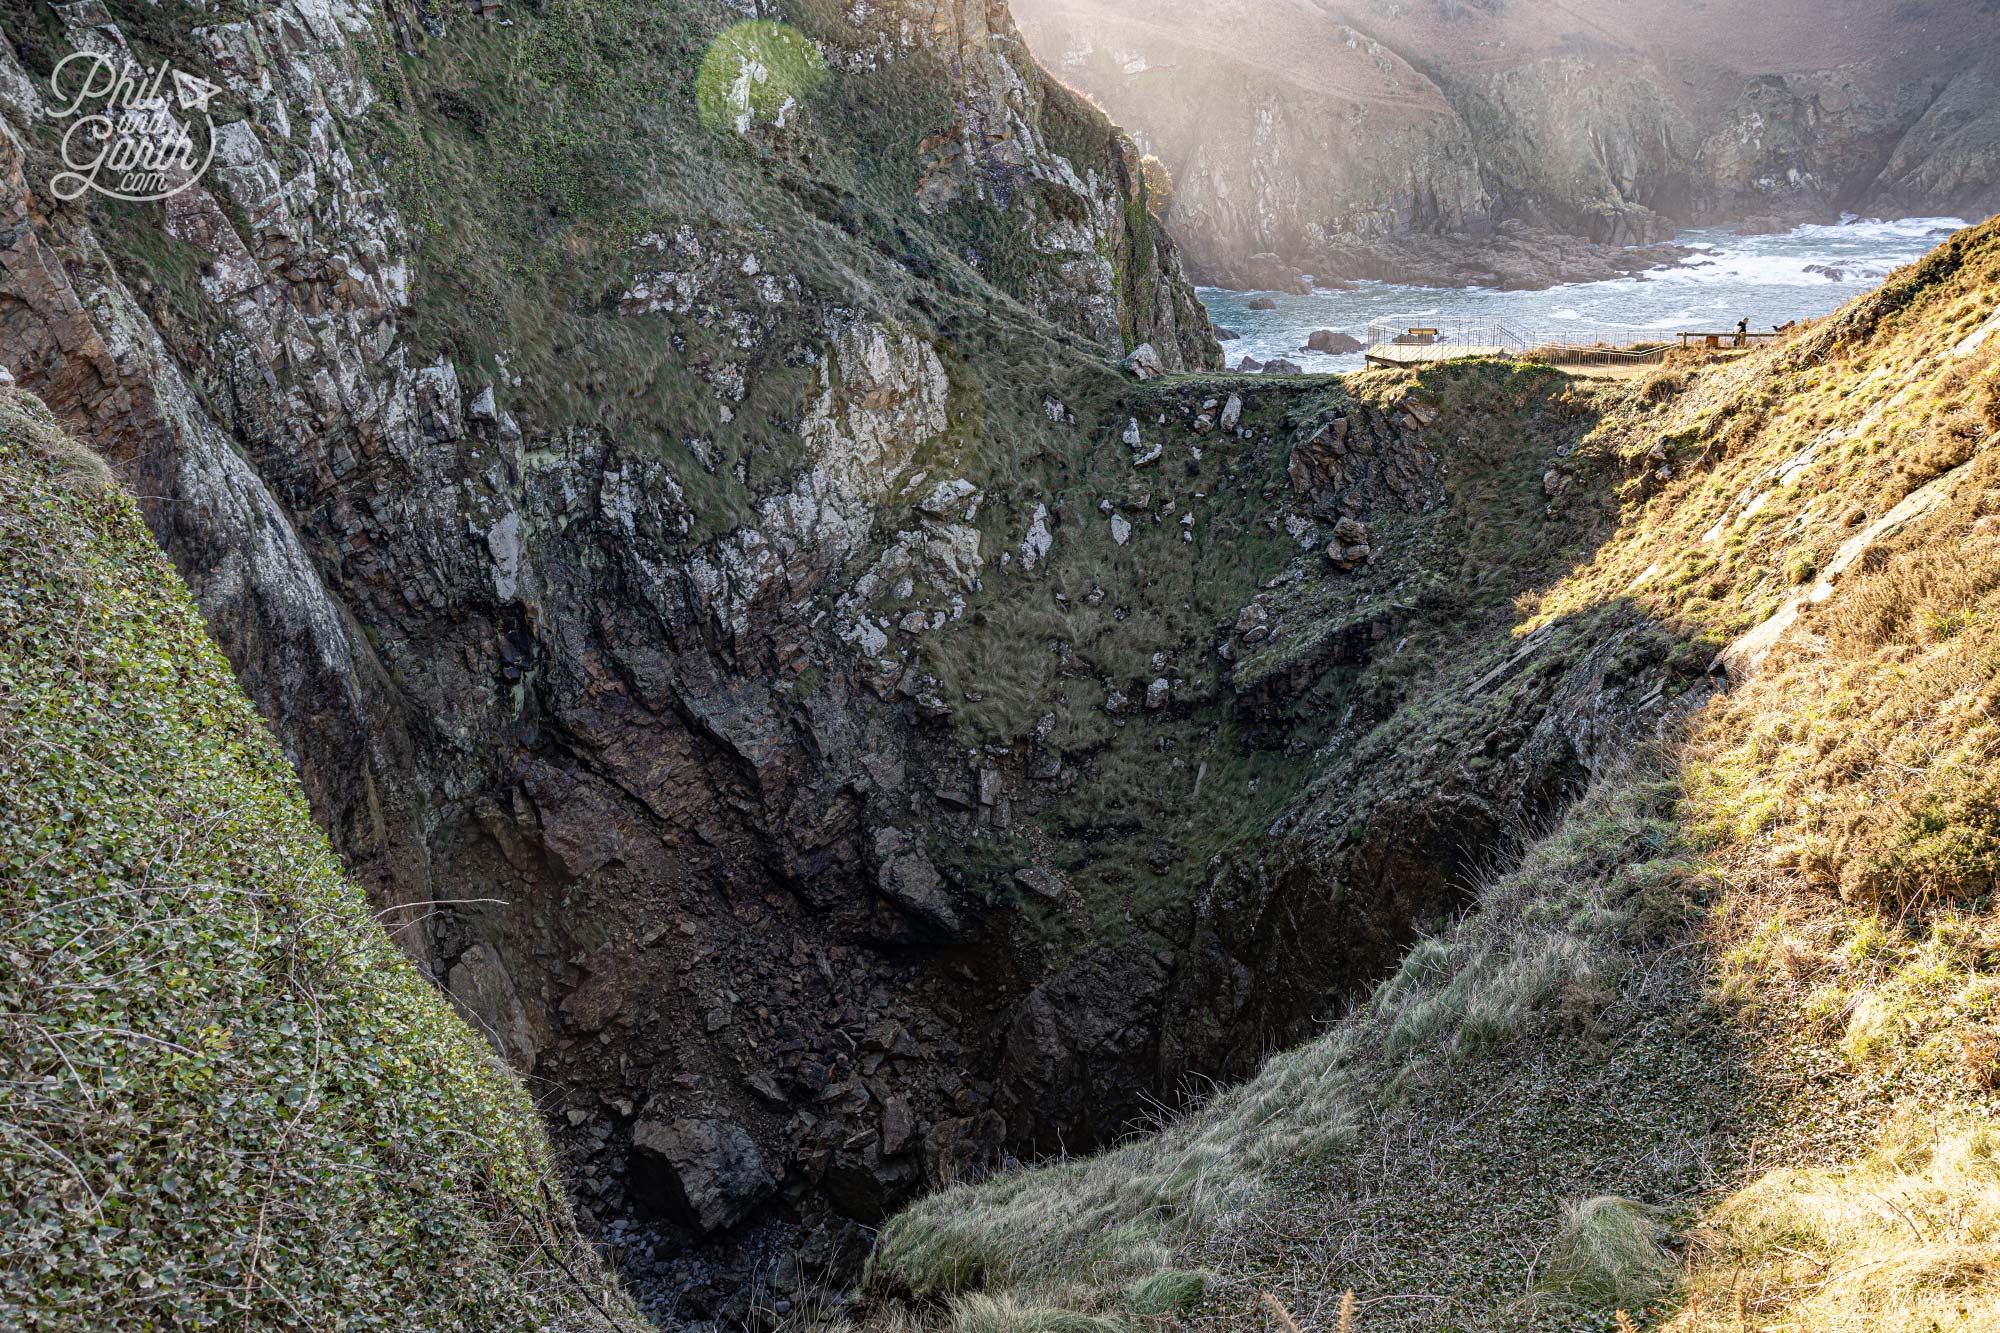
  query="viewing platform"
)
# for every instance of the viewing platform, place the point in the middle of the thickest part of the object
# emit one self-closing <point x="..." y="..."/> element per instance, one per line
<point x="1417" y="354"/>
<point x="1593" y="346"/>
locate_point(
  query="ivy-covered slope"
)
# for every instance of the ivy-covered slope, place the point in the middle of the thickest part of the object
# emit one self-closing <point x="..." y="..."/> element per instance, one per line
<point x="1720" y="1050"/>
<point x="226" y="1098"/>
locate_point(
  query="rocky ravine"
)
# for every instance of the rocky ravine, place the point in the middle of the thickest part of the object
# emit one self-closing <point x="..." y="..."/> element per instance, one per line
<point x="1522" y="144"/>
<point x="829" y="724"/>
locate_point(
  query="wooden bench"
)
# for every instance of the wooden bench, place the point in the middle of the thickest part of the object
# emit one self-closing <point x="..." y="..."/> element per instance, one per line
<point x="1731" y="338"/>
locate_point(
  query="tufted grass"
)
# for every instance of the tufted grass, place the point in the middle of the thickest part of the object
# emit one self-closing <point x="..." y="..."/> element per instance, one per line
<point x="34" y="432"/>
<point x="1545" y="946"/>
<point x="989" y="1314"/>
<point x="1610" y="1254"/>
<point x="226" y="1100"/>
<point x="1771" y="1104"/>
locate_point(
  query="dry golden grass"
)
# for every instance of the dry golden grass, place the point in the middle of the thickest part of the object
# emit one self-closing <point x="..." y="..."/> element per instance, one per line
<point x="26" y="421"/>
<point x="1905" y="1240"/>
<point x="1846" y="798"/>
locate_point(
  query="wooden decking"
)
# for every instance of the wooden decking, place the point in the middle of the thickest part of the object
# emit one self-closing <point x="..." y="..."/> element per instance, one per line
<point x="1419" y="354"/>
<point x="1391" y="345"/>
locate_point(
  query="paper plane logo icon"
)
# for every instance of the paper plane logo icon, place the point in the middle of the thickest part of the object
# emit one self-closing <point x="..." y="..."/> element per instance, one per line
<point x="193" y="93"/>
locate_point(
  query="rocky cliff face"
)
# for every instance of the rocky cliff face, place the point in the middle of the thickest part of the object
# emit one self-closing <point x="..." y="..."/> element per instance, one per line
<point x="543" y="490"/>
<point x="1391" y="141"/>
<point x="265" y="1069"/>
<point x="665" y="478"/>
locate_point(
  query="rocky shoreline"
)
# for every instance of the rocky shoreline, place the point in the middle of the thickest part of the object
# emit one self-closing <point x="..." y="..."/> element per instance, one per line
<point x="1453" y="146"/>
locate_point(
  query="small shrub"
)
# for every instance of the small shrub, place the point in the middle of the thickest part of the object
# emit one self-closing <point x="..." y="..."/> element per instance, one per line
<point x="1171" y="1292"/>
<point x="1662" y="386"/>
<point x="1609" y="1254"/>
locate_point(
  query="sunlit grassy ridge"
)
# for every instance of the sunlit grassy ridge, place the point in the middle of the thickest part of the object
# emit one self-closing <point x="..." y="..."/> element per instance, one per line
<point x="226" y="1099"/>
<point x="1721" y="1051"/>
<point x="1555" y="950"/>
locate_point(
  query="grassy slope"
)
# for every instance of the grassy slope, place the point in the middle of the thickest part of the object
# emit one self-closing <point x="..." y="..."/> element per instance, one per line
<point x="1159" y="798"/>
<point x="225" y="1098"/>
<point x="1771" y="941"/>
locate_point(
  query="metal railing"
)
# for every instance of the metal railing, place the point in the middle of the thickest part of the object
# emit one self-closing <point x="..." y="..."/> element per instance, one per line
<point x="1578" y="345"/>
<point x="1445" y="333"/>
<point x="1565" y="354"/>
<point x="1564" y="345"/>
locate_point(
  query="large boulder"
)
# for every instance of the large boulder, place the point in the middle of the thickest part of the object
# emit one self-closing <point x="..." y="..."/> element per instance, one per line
<point x="868" y="1184"/>
<point x="907" y="877"/>
<point x="1080" y="1061"/>
<point x="485" y="993"/>
<point x="965" y="1149"/>
<point x="704" y="1171"/>
<point x="1145" y="362"/>
<point x="1332" y="342"/>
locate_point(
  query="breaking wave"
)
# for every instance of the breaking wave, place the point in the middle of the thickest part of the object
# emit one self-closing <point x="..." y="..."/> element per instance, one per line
<point x="1768" y="280"/>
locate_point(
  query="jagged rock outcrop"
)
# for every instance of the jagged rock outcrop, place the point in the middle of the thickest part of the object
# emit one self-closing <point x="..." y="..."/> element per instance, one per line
<point x="770" y="663"/>
<point x="612" y="717"/>
<point x="1521" y="144"/>
<point x="1099" y="264"/>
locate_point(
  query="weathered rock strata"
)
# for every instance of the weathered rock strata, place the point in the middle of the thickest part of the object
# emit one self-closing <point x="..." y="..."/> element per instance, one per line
<point x="1393" y="142"/>
<point x="615" y="770"/>
<point x="768" y="674"/>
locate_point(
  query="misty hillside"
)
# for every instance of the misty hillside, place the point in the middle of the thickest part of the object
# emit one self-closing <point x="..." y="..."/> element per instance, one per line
<point x="1391" y="140"/>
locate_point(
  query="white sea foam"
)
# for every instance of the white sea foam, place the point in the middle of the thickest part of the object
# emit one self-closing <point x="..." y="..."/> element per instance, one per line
<point x="1763" y="279"/>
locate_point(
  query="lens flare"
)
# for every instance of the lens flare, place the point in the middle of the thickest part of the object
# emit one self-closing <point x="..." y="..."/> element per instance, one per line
<point x="758" y="73"/>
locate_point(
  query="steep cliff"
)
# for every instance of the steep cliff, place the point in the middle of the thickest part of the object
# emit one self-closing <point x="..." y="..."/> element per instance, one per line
<point x="1719" y="1043"/>
<point x="555" y="414"/>
<point x="1513" y="143"/>
<point x="666" y="482"/>
<point x="666" y="476"/>
<point x="228" y="1099"/>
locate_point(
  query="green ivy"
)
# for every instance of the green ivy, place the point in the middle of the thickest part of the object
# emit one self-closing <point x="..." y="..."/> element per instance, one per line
<point x="226" y="1099"/>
